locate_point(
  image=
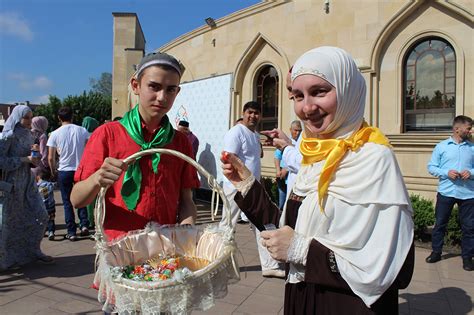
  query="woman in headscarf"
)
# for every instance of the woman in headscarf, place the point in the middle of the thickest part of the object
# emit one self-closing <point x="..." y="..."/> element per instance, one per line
<point x="90" y="124"/>
<point x="39" y="125"/>
<point x="346" y="232"/>
<point x="23" y="213"/>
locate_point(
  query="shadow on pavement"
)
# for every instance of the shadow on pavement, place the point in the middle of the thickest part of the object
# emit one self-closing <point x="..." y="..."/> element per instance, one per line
<point x="250" y="268"/>
<point x="62" y="267"/>
<point x="460" y="302"/>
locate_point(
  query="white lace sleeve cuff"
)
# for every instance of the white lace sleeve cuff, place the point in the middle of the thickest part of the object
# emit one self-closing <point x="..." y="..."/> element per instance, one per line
<point x="244" y="186"/>
<point x="298" y="250"/>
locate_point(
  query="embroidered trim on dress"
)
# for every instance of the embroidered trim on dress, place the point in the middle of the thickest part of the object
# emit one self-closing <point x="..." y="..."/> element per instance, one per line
<point x="295" y="197"/>
<point x="298" y="249"/>
<point x="332" y="262"/>
<point x="244" y="186"/>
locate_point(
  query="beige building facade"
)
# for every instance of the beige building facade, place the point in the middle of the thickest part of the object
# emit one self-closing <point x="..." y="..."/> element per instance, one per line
<point x="417" y="58"/>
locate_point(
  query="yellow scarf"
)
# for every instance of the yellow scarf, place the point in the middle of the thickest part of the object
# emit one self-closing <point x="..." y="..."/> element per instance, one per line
<point x="333" y="150"/>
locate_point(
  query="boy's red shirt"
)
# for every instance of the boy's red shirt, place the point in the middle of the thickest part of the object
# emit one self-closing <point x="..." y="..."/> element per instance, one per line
<point x="159" y="194"/>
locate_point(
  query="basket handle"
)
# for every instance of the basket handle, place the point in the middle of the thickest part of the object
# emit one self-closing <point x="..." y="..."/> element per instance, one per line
<point x="213" y="184"/>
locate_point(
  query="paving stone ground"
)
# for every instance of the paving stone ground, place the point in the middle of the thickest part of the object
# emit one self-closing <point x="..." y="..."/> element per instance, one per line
<point x="64" y="287"/>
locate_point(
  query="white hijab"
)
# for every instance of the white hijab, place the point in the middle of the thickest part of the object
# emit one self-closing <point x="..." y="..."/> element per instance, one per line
<point x="338" y="68"/>
<point x="13" y="120"/>
<point x="367" y="214"/>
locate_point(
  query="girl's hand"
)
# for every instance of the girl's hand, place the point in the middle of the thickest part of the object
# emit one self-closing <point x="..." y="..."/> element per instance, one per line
<point x="277" y="242"/>
<point x="276" y="138"/>
<point x="233" y="168"/>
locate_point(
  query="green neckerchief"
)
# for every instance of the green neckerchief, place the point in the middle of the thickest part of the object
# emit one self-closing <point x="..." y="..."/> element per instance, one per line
<point x="133" y="176"/>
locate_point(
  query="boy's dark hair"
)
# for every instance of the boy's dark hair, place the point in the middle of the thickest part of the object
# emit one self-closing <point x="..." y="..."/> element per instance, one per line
<point x="461" y="119"/>
<point x="65" y="113"/>
<point x="45" y="174"/>
<point x="253" y="105"/>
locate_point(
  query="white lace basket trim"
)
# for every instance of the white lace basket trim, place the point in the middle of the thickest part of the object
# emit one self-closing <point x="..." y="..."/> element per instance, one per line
<point x="196" y="292"/>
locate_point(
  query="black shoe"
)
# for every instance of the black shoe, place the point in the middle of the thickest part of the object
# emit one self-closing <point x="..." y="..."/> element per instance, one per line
<point x="84" y="231"/>
<point x="242" y="222"/>
<point x="467" y="264"/>
<point x="433" y="257"/>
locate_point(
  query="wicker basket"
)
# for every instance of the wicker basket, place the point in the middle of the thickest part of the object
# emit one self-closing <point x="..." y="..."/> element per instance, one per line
<point x="197" y="291"/>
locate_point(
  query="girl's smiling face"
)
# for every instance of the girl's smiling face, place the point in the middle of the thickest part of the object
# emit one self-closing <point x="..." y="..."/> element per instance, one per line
<point x="315" y="102"/>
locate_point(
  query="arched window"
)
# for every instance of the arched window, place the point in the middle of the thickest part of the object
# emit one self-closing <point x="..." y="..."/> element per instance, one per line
<point x="267" y="97"/>
<point x="429" y="86"/>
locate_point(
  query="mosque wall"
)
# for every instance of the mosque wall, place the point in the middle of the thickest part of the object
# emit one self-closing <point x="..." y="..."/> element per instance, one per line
<point x="378" y="34"/>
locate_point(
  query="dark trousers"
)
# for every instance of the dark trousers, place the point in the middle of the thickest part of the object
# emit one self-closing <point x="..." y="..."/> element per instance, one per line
<point x="66" y="181"/>
<point x="52" y="216"/>
<point x="444" y="206"/>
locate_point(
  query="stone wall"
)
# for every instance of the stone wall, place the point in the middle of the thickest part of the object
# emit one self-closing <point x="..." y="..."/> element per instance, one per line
<point x="376" y="33"/>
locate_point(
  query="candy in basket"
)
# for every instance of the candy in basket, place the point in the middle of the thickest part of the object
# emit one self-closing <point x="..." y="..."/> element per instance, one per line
<point x="165" y="269"/>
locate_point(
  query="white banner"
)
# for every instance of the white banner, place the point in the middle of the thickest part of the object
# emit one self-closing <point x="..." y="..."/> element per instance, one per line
<point x="205" y="104"/>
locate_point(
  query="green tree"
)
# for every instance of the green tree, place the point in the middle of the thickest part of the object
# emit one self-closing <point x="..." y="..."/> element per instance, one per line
<point x="103" y="85"/>
<point x="50" y="111"/>
<point x="96" y="103"/>
<point x="89" y="103"/>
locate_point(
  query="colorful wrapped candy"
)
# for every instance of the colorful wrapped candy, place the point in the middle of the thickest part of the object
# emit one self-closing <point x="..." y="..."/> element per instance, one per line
<point x="156" y="269"/>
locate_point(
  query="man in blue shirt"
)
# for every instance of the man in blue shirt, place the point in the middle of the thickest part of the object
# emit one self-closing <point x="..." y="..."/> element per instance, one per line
<point x="453" y="163"/>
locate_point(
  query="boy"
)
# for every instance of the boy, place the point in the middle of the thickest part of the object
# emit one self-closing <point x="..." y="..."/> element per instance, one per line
<point x="154" y="188"/>
<point x="46" y="190"/>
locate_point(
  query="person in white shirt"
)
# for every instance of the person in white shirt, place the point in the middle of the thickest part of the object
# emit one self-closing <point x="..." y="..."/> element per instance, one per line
<point x="68" y="141"/>
<point x="243" y="141"/>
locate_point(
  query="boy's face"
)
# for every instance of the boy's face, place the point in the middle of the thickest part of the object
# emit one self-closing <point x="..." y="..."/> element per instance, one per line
<point x="157" y="91"/>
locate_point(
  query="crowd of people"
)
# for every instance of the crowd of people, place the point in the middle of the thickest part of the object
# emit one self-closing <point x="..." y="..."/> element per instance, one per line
<point x="34" y="163"/>
<point x="342" y="233"/>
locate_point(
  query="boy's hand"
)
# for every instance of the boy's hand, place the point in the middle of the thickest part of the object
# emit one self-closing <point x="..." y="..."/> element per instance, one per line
<point x="109" y="172"/>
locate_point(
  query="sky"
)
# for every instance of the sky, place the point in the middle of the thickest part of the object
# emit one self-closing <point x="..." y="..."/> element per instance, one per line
<point x="53" y="47"/>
